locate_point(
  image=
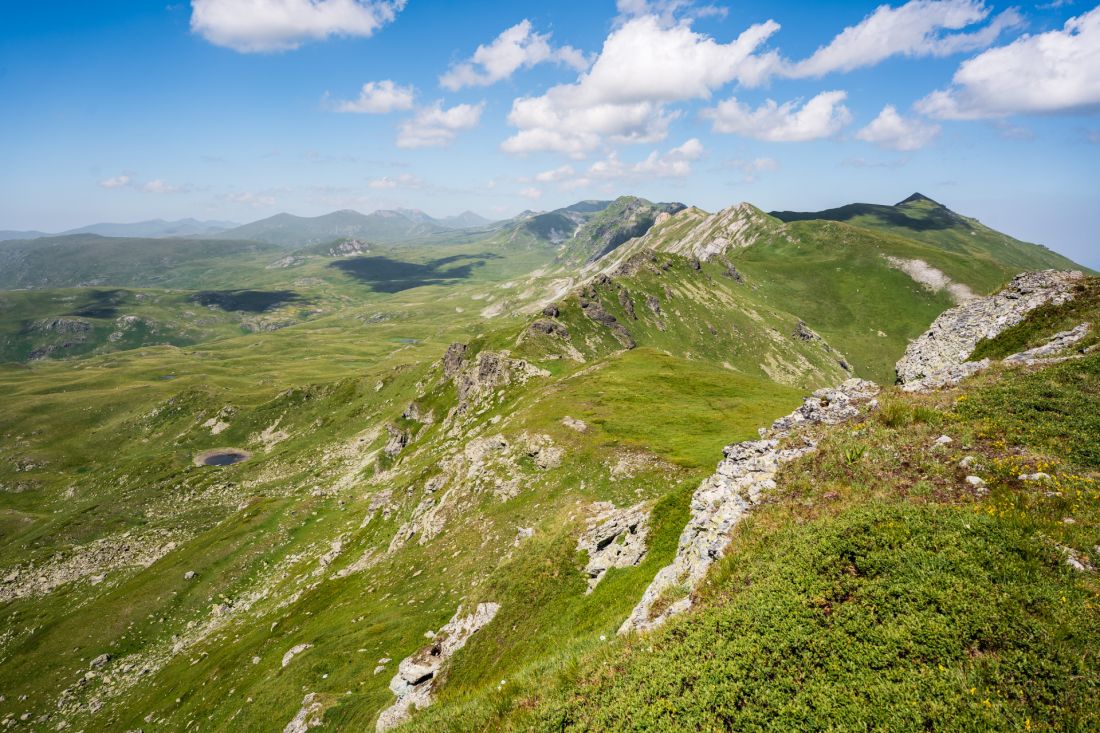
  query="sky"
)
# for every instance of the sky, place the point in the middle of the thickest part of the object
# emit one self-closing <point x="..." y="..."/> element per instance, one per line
<point x="240" y="109"/>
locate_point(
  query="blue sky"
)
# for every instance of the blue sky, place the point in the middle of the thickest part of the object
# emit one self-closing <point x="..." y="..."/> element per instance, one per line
<point x="239" y="109"/>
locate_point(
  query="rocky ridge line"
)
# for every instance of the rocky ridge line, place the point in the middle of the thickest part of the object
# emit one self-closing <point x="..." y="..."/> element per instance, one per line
<point x="721" y="501"/>
<point x="939" y="356"/>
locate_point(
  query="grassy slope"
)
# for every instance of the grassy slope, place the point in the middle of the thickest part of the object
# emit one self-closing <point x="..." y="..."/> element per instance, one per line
<point x="877" y="591"/>
<point x="111" y="440"/>
<point x="928" y="222"/>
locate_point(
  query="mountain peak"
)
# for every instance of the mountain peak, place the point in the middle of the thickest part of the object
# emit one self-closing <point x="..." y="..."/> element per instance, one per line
<point x="917" y="197"/>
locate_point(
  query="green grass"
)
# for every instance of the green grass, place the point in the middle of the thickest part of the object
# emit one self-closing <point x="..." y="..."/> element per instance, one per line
<point x="1045" y="321"/>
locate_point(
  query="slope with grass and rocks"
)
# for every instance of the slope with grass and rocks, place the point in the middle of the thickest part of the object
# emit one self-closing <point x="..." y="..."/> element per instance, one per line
<point x="451" y="496"/>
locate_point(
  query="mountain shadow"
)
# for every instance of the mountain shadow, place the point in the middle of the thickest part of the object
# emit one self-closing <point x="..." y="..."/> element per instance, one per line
<point x="387" y="275"/>
<point x="252" y="301"/>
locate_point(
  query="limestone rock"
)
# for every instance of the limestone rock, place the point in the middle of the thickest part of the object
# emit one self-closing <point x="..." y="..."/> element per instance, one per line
<point x="294" y="651"/>
<point x="939" y="356"/>
<point x="615" y="538"/>
<point x="596" y="312"/>
<point x="309" y="716"/>
<point x="748" y="471"/>
<point x="418" y="674"/>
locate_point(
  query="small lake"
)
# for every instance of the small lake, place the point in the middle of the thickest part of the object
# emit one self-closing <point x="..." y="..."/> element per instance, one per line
<point x="222" y="457"/>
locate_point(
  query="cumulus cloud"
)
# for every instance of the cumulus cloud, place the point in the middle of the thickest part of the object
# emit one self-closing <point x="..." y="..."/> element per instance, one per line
<point x="379" y="98"/>
<point x="674" y="163"/>
<point x="644" y="65"/>
<point x="891" y="130"/>
<point x="252" y="26"/>
<point x="914" y="29"/>
<point x="822" y="116"/>
<point x="531" y="193"/>
<point x="1048" y="73"/>
<point x="435" y="126"/>
<point x="115" y="182"/>
<point x="515" y="48"/>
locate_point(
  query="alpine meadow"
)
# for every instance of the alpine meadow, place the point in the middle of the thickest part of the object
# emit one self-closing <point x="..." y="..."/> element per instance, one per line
<point x="632" y="403"/>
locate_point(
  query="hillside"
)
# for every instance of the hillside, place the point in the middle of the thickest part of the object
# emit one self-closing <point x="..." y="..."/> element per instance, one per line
<point x="287" y="230"/>
<point x="919" y="217"/>
<point x="453" y="470"/>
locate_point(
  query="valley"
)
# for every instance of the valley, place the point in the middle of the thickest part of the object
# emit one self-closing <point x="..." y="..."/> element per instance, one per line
<point x="314" y="471"/>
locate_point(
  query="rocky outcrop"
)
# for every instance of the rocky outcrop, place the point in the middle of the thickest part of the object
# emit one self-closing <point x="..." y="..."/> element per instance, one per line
<point x="1058" y="342"/>
<point x="596" y="312"/>
<point x="397" y="442"/>
<point x="309" y="716"/>
<point x="939" y="357"/>
<point x="721" y="501"/>
<point x="419" y="674"/>
<point x="627" y="303"/>
<point x="489" y="372"/>
<point x="615" y="538"/>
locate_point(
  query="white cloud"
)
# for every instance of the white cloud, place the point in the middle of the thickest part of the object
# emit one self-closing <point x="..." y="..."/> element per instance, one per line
<point x="159" y="185"/>
<point x="891" y="130"/>
<point x="115" y="182"/>
<point x="379" y="98"/>
<point x="405" y="180"/>
<point x="674" y="163"/>
<point x="251" y="26"/>
<point x="515" y="48"/>
<point x="531" y="193"/>
<point x="822" y="116"/>
<point x="256" y="201"/>
<point x="563" y="173"/>
<point x="435" y="126"/>
<point x="1053" y="72"/>
<point x="751" y="169"/>
<point x="913" y="29"/>
<point x="644" y="65"/>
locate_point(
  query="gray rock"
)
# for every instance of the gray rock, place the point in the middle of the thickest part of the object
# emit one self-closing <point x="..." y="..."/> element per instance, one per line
<point x="418" y="674"/>
<point x="615" y="538"/>
<point x="189" y="575"/>
<point x="453" y="358"/>
<point x="721" y="501"/>
<point x="939" y="357"/>
<point x="100" y="662"/>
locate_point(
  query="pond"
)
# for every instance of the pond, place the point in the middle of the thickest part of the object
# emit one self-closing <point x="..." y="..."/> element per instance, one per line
<point x="221" y="457"/>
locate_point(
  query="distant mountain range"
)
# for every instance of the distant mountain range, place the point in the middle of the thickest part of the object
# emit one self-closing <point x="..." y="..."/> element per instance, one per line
<point x="283" y="229"/>
<point x="152" y="228"/>
<point x="387" y="227"/>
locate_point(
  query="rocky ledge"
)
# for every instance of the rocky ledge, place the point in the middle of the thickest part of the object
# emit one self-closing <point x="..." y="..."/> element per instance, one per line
<point x="723" y="499"/>
<point x="939" y="356"/>
<point x="418" y="673"/>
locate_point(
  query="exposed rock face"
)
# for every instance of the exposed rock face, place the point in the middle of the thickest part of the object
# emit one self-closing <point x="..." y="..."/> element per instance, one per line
<point x="596" y="312"/>
<point x="803" y="332"/>
<point x="732" y="228"/>
<point x="349" y="248"/>
<point x="550" y="328"/>
<point x="551" y="311"/>
<point x="616" y="538"/>
<point x="452" y="360"/>
<point x="626" y="303"/>
<point x="1058" y="342"/>
<point x="397" y="442"/>
<point x="653" y="304"/>
<point x="293" y="652"/>
<point x="309" y="716"/>
<point x="489" y="372"/>
<point x="939" y="356"/>
<point x="723" y="499"/>
<point x="418" y="674"/>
